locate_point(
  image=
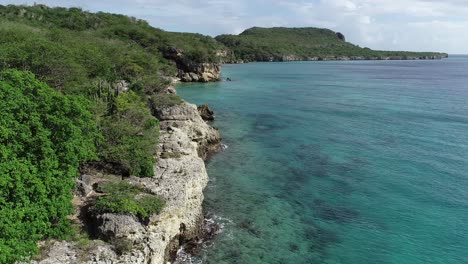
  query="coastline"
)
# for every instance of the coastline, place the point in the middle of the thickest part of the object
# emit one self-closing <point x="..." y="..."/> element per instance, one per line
<point x="291" y="58"/>
<point x="155" y="143"/>
<point x="185" y="141"/>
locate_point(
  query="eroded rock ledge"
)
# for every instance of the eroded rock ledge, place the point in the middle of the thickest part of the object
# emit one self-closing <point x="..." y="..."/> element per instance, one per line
<point x="190" y="71"/>
<point x="185" y="140"/>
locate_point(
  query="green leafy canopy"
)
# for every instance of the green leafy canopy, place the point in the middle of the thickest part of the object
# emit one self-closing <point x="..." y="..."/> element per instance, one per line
<point x="44" y="136"/>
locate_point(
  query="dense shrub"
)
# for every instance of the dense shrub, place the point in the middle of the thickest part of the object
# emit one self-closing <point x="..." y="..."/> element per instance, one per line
<point x="165" y="100"/>
<point x="79" y="53"/>
<point x="131" y="135"/>
<point x="124" y="198"/>
<point x="75" y="62"/>
<point x="44" y="136"/>
<point x="198" y="47"/>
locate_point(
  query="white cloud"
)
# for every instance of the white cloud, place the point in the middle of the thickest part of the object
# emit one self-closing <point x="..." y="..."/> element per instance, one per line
<point x="397" y="24"/>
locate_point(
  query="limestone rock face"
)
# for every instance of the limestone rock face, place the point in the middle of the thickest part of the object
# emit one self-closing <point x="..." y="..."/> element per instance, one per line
<point x="191" y="71"/>
<point x="119" y="226"/>
<point x="63" y="252"/>
<point x="187" y="118"/>
<point x="185" y="140"/>
<point x="200" y="72"/>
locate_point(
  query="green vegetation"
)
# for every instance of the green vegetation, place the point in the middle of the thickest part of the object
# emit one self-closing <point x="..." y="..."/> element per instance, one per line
<point x="44" y="136"/>
<point x="125" y="198"/>
<point x="130" y="30"/>
<point x="165" y="100"/>
<point x="273" y="44"/>
<point x="84" y="62"/>
<point x="75" y="87"/>
<point x="131" y="134"/>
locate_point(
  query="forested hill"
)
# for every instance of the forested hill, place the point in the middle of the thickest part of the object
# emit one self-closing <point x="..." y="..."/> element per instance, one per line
<point x="197" y="47"/>
<point x="289" y="44"/>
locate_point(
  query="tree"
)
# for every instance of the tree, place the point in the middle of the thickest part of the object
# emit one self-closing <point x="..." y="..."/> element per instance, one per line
<point x="44" y="136"/>
<point x="131" y="136"/>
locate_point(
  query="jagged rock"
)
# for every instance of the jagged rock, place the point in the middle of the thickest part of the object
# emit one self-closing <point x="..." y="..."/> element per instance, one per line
<point x="205" y="112"/>
<point x="185" y="116"/>
<point x="83" y="189"/>
<point x="170" y="90"/>
<point x="190" y="71"/>
<point x="180" y="112"/>
<point x="87" y="179"/>
<point x="60" y="252"/>
<point x="112" y="226"/>
<point x="63" y="252"/>
<point x="185" y="77"/>
<point x="194" y="77"/>
<point x="201" y="72"/>
<point x="84" y="185"/>
<point x="206" y="77"/>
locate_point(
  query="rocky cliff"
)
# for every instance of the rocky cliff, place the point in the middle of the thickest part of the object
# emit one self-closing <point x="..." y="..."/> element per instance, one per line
<point x="192" y="71"/>
<point x="185" y="140"/>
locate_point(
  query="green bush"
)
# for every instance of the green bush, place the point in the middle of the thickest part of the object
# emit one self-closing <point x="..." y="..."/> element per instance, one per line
<point x="44" y="136"/>
<point x="198" y="47"/>
<point x="125" y="198"/>
<point x="160" y="101"/>
<point x="131" y="136"/>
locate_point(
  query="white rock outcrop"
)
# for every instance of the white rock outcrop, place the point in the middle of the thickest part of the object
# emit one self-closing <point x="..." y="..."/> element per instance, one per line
<point x="185" y="139"/>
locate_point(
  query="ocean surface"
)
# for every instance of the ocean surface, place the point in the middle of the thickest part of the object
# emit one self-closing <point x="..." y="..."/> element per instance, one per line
<point x="359" y="162"/>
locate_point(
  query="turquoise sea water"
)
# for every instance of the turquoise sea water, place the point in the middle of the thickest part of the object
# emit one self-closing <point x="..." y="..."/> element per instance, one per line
<point x="339" y="162"/>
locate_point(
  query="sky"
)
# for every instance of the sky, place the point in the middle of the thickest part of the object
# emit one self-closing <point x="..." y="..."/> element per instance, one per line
<point x="416" y="25"/>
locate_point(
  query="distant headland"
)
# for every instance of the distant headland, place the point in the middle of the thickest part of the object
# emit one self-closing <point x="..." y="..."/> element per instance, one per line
<point x="306" y="44"/>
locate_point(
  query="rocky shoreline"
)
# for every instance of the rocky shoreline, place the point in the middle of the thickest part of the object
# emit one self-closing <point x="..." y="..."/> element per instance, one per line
<point x="192" y="71"/>
<point x="289" y="58"/>
<point x="185" y="141"/>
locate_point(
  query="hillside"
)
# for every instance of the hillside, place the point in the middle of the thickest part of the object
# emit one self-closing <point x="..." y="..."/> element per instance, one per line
<point x="198" y="47"/>
<point x="78" y="92"/>
<point x="289" y="44"/>
<point x="78" y="27"/>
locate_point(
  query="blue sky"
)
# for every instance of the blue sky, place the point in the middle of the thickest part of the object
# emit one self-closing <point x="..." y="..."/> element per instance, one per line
<point x="419" y="25"/>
